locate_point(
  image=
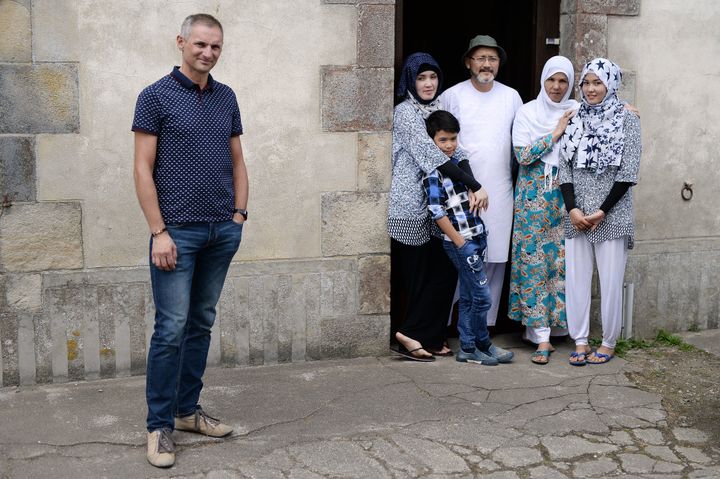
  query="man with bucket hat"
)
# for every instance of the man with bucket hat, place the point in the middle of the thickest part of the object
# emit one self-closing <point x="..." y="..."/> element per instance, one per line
<point x="486" y="109"/>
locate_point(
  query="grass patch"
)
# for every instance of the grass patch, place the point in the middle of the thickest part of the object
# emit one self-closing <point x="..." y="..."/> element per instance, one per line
<point x="662" y="338"/>
<point x="667" y="339"/>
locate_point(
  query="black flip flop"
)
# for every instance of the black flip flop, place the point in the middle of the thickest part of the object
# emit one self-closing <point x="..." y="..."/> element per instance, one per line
<point x="449" y="354"/>
<point x="402" y="351"/>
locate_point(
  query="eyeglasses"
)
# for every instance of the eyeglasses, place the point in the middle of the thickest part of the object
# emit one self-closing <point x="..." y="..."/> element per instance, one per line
<point x="482" y="60"/>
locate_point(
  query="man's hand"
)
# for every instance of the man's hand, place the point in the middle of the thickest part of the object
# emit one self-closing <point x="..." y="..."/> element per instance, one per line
<point x="632" y="108"/>
<point x="578" y="220"/>
<point x="595" y="219"/>
<point x="479" y="200"/>
<point x="164" y="252"/>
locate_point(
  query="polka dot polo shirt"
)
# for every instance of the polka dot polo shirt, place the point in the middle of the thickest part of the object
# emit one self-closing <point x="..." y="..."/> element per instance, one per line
<point x="193" y="168"/>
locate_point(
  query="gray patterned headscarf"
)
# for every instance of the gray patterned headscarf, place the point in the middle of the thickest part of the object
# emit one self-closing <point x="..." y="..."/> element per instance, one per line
<point x="596" y="132"/>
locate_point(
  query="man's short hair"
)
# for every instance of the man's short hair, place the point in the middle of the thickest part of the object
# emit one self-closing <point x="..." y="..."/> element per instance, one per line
<point x="201" y="18"/>
<point x="441" y="120"/>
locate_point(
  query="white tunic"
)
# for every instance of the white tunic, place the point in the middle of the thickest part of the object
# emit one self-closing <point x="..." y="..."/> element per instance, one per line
<point x="486" y="134"/>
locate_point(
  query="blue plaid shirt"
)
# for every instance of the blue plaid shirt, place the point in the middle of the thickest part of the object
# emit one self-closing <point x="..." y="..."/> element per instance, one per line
<point x="448" y="198"/>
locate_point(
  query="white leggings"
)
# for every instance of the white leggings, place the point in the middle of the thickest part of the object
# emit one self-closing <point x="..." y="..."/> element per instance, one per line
<point x="495" y="273"/>
<point x="542" y="334"/>
<point x="611" y="257"/>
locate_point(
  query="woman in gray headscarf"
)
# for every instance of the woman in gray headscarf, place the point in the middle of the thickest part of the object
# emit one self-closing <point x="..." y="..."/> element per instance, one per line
<point x="419" y="262"/>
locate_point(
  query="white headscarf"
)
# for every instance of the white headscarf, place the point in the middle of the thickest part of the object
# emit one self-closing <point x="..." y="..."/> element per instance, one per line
<point x="596" y="132"/>
<point x="540" y="117"/>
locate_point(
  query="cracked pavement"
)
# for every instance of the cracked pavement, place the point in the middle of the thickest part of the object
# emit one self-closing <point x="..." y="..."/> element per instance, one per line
<point x="370" y="417"/>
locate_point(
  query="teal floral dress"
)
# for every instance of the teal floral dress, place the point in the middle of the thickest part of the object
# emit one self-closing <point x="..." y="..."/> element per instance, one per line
<point x="537" y="278"/>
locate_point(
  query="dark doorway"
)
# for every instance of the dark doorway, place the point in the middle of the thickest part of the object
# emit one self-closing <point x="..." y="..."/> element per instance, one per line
<point x="528" y="30"/>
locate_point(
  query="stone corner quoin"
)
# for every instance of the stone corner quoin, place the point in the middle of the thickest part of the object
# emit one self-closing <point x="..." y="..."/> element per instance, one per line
<point x="352" y="99"/>
<point x="610" y="7"/>
<point x="39" y="98"/>
<point x="46" y="236"/>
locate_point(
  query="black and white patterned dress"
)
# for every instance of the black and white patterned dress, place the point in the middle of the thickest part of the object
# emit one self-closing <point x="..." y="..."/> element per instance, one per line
<point x="414" y="155"/>
<point x="592" y="188"/>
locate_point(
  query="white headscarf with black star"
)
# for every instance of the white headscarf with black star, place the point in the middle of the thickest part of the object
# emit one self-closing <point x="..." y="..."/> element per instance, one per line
<point x="596" y="132"/>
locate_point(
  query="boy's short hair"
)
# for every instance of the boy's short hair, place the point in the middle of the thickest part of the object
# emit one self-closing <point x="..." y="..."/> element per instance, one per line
<point x="441" y="120"/>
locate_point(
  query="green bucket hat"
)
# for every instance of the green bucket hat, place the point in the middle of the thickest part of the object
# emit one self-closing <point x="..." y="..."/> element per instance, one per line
<point x="485" y="41"/>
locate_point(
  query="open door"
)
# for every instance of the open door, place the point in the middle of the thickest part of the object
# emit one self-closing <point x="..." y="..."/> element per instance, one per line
<point x="527" y="30"/>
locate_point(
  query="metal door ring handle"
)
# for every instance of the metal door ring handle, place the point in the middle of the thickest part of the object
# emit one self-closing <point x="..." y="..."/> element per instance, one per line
<point x="686" y="192"/>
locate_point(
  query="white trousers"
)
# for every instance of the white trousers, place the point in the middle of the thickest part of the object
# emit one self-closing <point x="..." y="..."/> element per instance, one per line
<point x="456" y="298"/>
<point x="542" y="335"/>
<point x="495" y="273"/>
<point x="611" y="257"/>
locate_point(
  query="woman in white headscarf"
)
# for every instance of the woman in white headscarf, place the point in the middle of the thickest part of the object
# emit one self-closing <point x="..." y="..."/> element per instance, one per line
<point x="537" y="278"/>
<point x="599" y="162"/>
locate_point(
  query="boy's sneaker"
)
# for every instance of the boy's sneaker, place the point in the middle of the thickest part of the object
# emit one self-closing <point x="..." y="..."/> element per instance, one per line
<point x="502" y="355"/>
<point x="160" y="448"/>
<point x="477" y="357"/>
<point x="202" y="423"/>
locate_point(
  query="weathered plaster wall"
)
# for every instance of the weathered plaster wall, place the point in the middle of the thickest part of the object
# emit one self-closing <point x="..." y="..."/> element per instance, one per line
<point x="271" y="58"/>
<point x="673" y="49"/>
<point x="668" y="52"/>
<point x="314" y="84"/>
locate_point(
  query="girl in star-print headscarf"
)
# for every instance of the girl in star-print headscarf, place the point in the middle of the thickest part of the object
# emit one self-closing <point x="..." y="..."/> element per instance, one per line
<point x="599" y="161"/>
<point x="596" y="133"/>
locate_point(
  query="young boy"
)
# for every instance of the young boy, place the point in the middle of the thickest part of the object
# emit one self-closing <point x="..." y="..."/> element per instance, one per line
<point x="465" y="244"/>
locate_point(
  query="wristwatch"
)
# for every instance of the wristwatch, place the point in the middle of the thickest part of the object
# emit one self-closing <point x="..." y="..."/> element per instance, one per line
<point x="243" y="212"/>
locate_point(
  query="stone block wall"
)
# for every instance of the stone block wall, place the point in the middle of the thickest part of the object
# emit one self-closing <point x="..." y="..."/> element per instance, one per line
<point x="35" y="236"/>
<point x="98" y="323"/>
<point x="584" y="27"/>
<point x="75" y="298"/>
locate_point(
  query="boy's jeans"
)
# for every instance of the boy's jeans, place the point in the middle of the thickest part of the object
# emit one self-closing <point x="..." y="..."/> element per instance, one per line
<point x="185" y="300"/>
<point x="474" y="300"/>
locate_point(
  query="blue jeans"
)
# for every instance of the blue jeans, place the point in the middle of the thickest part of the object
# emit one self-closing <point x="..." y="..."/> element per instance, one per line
<point x="474" y="300"/>
<point x="185" y="300"/>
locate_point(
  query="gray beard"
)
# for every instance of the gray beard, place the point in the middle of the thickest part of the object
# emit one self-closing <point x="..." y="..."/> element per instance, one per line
<point x="484" y="80"/>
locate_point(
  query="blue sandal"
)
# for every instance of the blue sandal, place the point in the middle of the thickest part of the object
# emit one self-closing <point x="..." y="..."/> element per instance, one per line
<point x="604" y="358"/>
<point x="579" y="362"/>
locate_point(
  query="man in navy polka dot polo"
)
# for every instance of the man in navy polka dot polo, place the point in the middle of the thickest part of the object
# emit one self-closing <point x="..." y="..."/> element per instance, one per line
<point x="192" y="186"/>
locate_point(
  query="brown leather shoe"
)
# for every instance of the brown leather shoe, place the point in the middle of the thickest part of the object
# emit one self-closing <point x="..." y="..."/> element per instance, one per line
<point x="202" y="423"/>
<point x="160" y="448"/>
